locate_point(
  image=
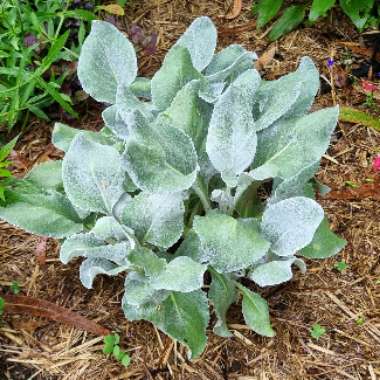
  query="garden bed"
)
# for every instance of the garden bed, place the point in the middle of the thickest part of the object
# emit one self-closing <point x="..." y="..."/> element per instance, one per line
<point x="346" y="303"/>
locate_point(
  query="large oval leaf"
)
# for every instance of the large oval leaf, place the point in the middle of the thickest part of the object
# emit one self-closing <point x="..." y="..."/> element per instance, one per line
<point x="229" y="244"/>
<point x="92" y="175"/>
<point x="290" y="224"/>
<point x="176" y="70"/>
<point x="156" y="218"/>
<point x="200" y="40"/>
<point x="159" y="157"/>
<point x="289" y="146"/>
<point x="231" y="140"/>
<point x="44" y="212"/>
<point x="256" y="312"/>
<point x="107" y="60"/>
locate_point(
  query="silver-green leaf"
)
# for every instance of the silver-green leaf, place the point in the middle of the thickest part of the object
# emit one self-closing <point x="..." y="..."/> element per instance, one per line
<point x="107" y="60"/>
<point x="176" y="71"/>
<point x="290" y="145"/>
<point x="229" y="244"/>
<point x="256" y="313"/>
<point x="156" y="218"/>
<point x="92" y="175"/>
<point x="159" y="157"/>
<point x="200" y="40"/>
<point x="231" y="141"/>
<point x="222" y="294"/>
<point x="290" y="224"/>
<point x="44" y="212"/>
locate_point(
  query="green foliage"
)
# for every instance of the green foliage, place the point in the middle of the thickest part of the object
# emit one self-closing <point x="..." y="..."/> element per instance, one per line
<point x="360" y="321"/>
<point x="5" y="173"/>
<point x="290" y="19"/>
<point x="341" y="266"/>
<point x="15" y="287"/>
<point x="362" y="13"/>
<point x="2" y="306"/>
<point x="317" y="331"/>
<point x="168" y="190"/>
<point x="111" y="346"/>
<point x="33" y="36"/>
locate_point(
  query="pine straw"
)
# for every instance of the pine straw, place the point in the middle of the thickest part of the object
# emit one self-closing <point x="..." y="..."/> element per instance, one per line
<point x="35" y="348"/>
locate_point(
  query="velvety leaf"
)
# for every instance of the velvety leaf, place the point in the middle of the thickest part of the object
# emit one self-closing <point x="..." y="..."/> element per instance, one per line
<point x="91" y="267"/>
<point x="47" y="175"/>
<point x="290" y="224"/>
<point x="229" y="63"/>
<point x="107" y="60"/>
<point x="113" y="120"/>
<point x="63" y="135"/>
<point x="266" y="10"/>
<point x="92" y="175"/>
<point x="181" y="274"/>
<point x="147" y="261"/>
<point x="141" y="87"/>
<point x="256" y="312"/>
<point x="107" y="228"/>
<point x="289" y="146"/>
<point x="140" y="296"/>
<point x="222" y="294"/>
<point x="324" y="244"/>
<point x="231" y="141"/>
<point x="273" y="273"/>
<point x="200" y="40"/>
<point x="184" y="317"/>
<point x="176" y="70"/>
<point x="190" y="113"/>
<point x="290" y="19"/>
<point x="290" y="96"/>
<point x="319" y="8"/>
<point x="229" y="244"/>
<point x="191" y="247"/>
<point x="159" y="157"/>
<point x="90" y="246"/>
<point x="44" y="212"/>
<point x="294" y="186"/>
<point x="156" y="218"/>
<point x="127" y="102"/>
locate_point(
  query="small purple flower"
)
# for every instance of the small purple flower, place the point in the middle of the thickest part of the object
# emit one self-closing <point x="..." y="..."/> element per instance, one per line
<point x="30" y="40"/>
<point x="330" y="63"/>
<point x="377" y="75"/>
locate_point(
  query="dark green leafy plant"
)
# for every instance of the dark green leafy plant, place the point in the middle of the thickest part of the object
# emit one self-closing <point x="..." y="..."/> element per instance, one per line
<point x="174" y="186"/>
<point x="112" y="346"/>
<point x="361" y="13"/>
<point x="5" y="173"/>
<point x="2" y="306"/>
<point x="33" y="35"/>
<point x="317" y="331"/>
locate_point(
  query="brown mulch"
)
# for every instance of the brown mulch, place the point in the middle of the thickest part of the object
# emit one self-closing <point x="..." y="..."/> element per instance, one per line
<point x="39" y="349"/>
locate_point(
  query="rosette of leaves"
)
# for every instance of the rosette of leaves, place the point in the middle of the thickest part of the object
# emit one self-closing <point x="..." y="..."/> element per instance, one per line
<point x="172" y="187"/>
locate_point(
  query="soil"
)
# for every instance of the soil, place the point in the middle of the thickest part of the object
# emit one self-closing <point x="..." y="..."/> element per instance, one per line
<point x="346" y="303"/>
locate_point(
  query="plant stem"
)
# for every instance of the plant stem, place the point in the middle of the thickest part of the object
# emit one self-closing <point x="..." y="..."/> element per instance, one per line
<point x="199" y="189"/>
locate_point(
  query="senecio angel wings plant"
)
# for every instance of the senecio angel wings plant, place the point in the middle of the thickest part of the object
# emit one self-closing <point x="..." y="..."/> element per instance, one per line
<point x="176" y="184"/>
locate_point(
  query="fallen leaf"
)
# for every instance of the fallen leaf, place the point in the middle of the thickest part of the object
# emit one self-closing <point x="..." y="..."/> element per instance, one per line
<point x="114" y="9"/>
<point x="41" y="308"/>
<point x="355" y="116"/>
<point x="366" y="191"/>
<point x="266" y="58"/>
<point x="238" y="29"/>
<point x="235" y="10"/>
